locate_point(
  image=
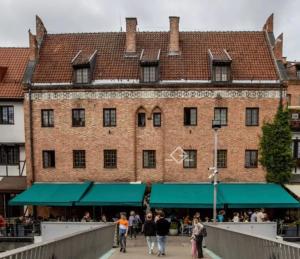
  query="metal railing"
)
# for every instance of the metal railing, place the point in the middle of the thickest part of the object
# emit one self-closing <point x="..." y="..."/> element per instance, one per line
<point x="20" y="229"/>
<point x="87" y="244"/>
<point x="230" y="244"/>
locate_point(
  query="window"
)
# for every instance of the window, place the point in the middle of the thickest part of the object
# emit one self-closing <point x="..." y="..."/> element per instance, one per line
<point x="221" y="116"/>
<point x="149" y="160"/>
<point x="149" y="74"/>
<point x="47" y="118"/>
<point x="251" y="158"/>
<point x="221" y="73"/>
<point x="252" y="116"/>
<point x="190" y="116"/>
<point x="156" y="119"/>
<point x="82" y="75"/>
<point x="110" y="119"/>
<point x="110" y="158"/>
<point x="141" y="119"/>
<point x="222" y="158"/>
<point x="190" y="159"/>
<point x="78" y="118"/>
<point x="48" y="158"/>
<point x="9" y="155"/>
<point x="6" y="115"/>
<point x="79" y="158"/>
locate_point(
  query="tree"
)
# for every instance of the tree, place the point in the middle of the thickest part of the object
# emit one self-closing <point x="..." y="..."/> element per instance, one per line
<point x="276" y="148"/>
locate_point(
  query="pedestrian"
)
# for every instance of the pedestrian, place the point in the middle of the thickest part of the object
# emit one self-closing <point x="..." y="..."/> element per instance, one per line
<point x="253" y="216"/>
<point x="150" y="232"/>
<point x="2" y="225"/>
<point x="86" y="217"/>
<point x="236" y="217"/>
<point x="197" y="239"/>
<point x="134" y="221"/>
<point x="123" y="231"/>
<point x="260" y="216"/>
<point x="162" y="230"/>
<point x="220" y="217"/>
<point x="103" y="218"/>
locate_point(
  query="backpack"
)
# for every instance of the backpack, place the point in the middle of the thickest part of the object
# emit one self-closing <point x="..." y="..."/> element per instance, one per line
<point x="135" y="222"/>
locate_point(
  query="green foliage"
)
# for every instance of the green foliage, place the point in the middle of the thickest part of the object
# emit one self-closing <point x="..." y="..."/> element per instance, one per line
<point x="276" y="148"/>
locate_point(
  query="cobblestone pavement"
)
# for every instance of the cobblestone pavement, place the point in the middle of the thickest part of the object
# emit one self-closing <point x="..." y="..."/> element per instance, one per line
<point x="177" y="248"/>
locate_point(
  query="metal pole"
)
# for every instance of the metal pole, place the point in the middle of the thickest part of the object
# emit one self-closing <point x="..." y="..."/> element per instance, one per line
<point x="215" y="176"/>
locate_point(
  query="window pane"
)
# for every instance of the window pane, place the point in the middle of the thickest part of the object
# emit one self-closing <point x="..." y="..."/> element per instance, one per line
<point x="78" y="117"/>
<point x="221" y="116"/>
<point x="190" y="159"/>
<point x="222" y="159"/>
<point x="157" y="119"/>
<point x="149" y="159"/>
<point x="79" y="158"/>
<point x="110" y="158"/>
<point x="141" y="119"/>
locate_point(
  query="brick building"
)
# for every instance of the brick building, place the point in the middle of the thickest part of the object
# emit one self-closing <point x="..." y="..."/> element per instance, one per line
<point x="126" y="106"/>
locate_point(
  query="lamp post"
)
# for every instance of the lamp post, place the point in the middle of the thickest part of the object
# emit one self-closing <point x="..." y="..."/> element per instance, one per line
<point x="216" y="124"/>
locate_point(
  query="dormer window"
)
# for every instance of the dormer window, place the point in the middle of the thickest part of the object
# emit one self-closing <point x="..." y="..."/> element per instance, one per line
<point x="221" y="73"/>
<point x="83" y="66"/>
<point x="149" y="65"/>
<point x="82" y="75"/>
<point x="149" y="74"/>
<point x="220" y="62"/>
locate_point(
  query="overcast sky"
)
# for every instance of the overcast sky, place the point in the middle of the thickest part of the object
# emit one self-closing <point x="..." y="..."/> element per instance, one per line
<point x="17" y="16"/>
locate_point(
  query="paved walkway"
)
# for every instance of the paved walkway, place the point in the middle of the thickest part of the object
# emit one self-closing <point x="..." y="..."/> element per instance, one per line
<point x="177" y="247"/>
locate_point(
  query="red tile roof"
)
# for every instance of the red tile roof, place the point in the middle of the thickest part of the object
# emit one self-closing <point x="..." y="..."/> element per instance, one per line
<point x="251" y="58"/>
<point x="15" y="60"/>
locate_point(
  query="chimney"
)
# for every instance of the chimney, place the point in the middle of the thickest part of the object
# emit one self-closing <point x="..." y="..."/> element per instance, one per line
<point x="268" y="27"/>
<point x="174" y="36"/>
<point x="131" y="23"/>
<point x="278" y="46"/>
<point x="40" y="30"/>
<point x="33" y="54"/>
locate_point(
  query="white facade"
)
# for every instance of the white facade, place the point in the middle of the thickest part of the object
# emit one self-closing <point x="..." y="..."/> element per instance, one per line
<point x="14" y="134"/>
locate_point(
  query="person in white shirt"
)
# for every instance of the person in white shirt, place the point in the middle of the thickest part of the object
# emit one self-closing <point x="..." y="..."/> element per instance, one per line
<point x="253" y="216"/>
<point x="260" y="216"/>
<point x="236" y="217"/>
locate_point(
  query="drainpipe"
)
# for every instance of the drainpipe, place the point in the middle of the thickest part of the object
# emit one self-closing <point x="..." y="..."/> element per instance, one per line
<point x="31" y="137"/>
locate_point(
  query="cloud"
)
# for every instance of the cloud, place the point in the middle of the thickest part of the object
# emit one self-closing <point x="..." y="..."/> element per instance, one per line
<point x="17" y="16"/>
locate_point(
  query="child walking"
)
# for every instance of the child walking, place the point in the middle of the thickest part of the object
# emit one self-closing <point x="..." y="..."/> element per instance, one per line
<point x="123" y="231"/>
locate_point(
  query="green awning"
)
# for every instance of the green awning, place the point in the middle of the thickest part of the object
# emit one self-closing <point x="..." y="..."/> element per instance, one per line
<point x="114" y="194"/>
<point x="51" y="194"/>
<point x="256" y="195"/>
<point x="182" y="196"/>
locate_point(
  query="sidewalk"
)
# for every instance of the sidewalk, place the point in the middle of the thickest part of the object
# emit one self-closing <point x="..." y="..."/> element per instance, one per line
<point x="177" y="247"/>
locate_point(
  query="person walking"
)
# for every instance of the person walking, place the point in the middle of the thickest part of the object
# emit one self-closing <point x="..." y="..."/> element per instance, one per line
<point x="150" y="232"/>
<point x="162" y="230"/>
<point x="123" y="231"/>
<point x="197" y="239"/>
<point x="134" y="221"/>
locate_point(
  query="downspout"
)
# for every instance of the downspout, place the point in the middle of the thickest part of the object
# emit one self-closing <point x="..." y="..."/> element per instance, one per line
<point x="31" y="136"/>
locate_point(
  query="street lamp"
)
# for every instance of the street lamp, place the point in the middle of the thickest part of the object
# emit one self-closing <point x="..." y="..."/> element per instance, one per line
<point x="216" y="124"/>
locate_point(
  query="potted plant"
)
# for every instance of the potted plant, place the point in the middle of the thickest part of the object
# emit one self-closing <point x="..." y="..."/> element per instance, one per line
<point x="173" y="229"/>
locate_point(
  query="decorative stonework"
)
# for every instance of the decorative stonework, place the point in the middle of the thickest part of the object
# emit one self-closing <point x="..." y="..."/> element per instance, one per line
<point x="158" y="94"/>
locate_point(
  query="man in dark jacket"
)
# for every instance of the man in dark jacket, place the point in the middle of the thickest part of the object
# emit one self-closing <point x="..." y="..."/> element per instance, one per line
<point x="162" y="230"/>
<point x="150" y="232"/>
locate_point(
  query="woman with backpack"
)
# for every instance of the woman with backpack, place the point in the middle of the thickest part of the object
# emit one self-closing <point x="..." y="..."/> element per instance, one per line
<point x="197" y="238"/>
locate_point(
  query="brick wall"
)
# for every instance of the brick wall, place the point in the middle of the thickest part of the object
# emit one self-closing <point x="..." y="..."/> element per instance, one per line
<point x="130" y="140"/>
